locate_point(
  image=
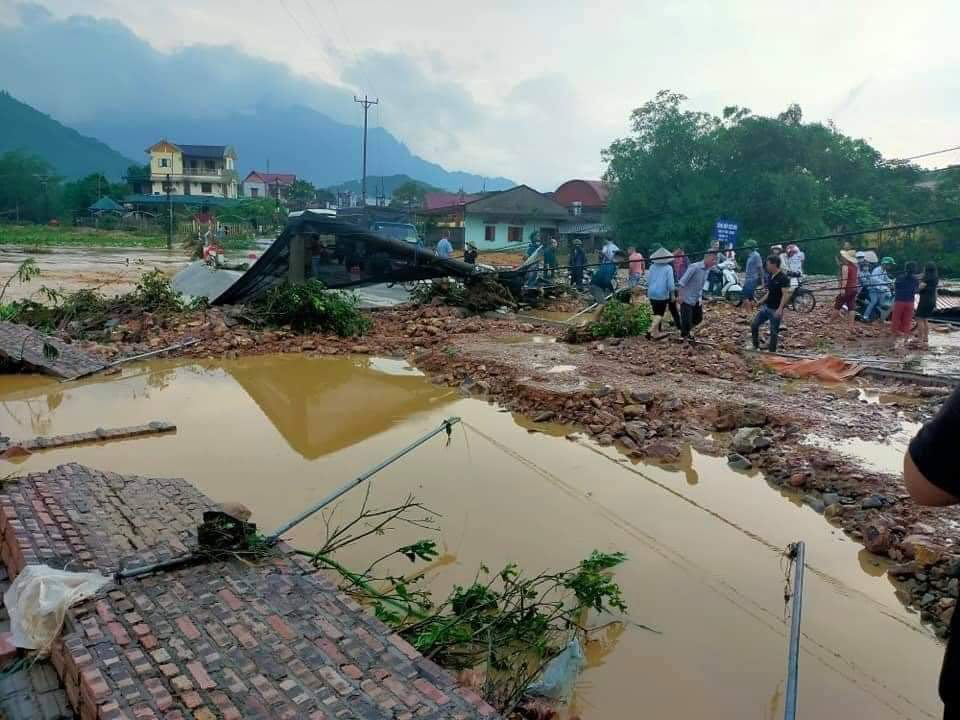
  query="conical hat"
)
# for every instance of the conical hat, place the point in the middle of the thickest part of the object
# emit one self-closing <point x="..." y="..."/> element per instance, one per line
<point x="662" y="256"/>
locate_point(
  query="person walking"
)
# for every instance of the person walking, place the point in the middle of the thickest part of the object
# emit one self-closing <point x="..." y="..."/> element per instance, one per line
<point x="928" y="302"/>
<point x="904" y="292"/>
<point x="636" y="263"/>
<point x="578" y="261"/>
<point x="444" y="248"/>
<point x="680" y="263"/>
<point x="608" y="253"/>
<point x="849" y="285"/>
<point x="772" y="304"/>
<point x="549" y="258"/>
<point x="470" y="254"/>
<point x="931" y="479"/>
<point x="660" y="291"/>
<point x="601" y="282"/>
<point x="753" y="274"/>
<point x="690" y="291"/>
<point x="878" y="289"/>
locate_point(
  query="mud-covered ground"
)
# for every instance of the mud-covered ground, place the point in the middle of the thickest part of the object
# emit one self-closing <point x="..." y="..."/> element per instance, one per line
<point x="648" y="398"/>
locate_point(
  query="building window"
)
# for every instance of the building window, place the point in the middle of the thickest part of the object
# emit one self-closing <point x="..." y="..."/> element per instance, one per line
<point x="254" y="192"/>
<point x="164" y="162"/>
<point x="490" y="233"/>
<point x="209" y="164"/>
<point x="206" y="188"/>
<point x="514" y="235"/>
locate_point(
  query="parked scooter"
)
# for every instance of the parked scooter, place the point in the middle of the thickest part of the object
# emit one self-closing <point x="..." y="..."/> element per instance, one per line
<point x="723" y="281"/>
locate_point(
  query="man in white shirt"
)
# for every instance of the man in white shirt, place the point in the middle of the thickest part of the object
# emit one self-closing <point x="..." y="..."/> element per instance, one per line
<point x="609" y="251"/>
<point x="444" y="248"/>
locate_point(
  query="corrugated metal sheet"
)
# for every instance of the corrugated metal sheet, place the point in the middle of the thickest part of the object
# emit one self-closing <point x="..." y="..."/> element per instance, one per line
<point x="583" y="228"/>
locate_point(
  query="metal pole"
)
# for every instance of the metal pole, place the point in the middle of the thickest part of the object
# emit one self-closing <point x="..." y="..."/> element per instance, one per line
<point x="797" y="553"/>
<point x="447" y="426"/>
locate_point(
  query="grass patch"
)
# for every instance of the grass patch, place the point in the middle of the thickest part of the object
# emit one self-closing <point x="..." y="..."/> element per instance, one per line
<point x="620" y="320"/>
<point x="45" y="236"/>
<point x="309" y="306"/>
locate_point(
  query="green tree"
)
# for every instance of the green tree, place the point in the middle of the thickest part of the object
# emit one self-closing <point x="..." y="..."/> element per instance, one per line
<point x="29" y="189"/>
<point x="301" y="194"/>
<point x="81" y="194"/>
<point x="410" y="194"/>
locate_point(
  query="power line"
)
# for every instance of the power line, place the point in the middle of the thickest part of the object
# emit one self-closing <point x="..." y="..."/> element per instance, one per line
<point x="929" y="154"/>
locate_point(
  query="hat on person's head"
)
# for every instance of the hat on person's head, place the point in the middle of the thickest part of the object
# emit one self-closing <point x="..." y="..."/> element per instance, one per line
<point x="791" y="249"/>
<point x="662" y="256"/>
<point x="848" y="255"/>
<point x="577" y="241"/>
<point x="778" y="246"/>
<point x="870" y="256"/>
<point x="887" y="260"/>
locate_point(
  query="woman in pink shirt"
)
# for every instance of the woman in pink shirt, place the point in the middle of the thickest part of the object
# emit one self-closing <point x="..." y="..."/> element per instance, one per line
<point x="635" y="259"/>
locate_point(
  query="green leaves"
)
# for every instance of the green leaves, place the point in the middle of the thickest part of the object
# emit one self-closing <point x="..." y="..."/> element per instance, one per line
<point x="309" y="306"/>
<point x="619" y="319"/>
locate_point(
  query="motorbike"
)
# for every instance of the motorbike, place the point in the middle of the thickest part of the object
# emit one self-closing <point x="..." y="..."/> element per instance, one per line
<point x="724" y="282"/>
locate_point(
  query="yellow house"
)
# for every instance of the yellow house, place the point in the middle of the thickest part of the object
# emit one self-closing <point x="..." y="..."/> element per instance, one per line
<point x="192" y="169"/>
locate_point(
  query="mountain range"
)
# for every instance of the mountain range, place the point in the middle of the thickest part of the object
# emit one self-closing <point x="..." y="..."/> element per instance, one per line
<point x="71" y="154"/>
<point x="96" y="75"/>
<point x="294" y="139"/>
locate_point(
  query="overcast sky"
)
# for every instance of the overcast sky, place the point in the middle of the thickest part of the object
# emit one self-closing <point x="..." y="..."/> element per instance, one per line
<point x="534" y="90"/>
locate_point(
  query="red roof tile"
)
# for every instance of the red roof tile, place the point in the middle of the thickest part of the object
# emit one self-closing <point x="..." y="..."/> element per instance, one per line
<point x="435" y="200"/>
<point x="272" y="178"/>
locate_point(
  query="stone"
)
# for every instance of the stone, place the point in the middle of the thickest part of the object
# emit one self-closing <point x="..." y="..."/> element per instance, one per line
<point x="797" y="480"/>
<point x="738" y="462"/>
<point x="605" y="439"/>
<point x="873" y="502"/>
<point x="641" y="397"/>
<point x="637" y="431"/>
<point x="953" y="568"/>
<point x="924" y="550"/>
<point x="876" y="537"/>
<point x="946" y="616"/>
<point x="953" y="587"/>
<point x="747" y="440"/>
<point x="830" y="498"/>
<point x="903" y="570"/>
<point x="662" y="450"/>
<point x="815" y="503"/>
<point x="833" y="511"/>
<point x="634" y="411"/>
<point x="545" y="416"/>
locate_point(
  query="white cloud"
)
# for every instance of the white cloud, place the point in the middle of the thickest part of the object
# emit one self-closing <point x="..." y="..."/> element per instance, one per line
<point x="535" y="90"/>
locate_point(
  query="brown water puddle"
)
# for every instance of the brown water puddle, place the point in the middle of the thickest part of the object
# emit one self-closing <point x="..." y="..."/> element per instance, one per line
<point x="277" y="433"/>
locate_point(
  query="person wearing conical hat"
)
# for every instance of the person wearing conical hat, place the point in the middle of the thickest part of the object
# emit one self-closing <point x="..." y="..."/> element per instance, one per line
<point x="660" y="291"/>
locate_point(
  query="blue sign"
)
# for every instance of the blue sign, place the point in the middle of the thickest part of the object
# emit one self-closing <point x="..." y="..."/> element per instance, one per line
<point x="727" y="233"/>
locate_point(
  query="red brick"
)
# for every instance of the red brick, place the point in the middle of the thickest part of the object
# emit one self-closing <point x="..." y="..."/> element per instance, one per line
<point x="120" y="636"/>
<point x="431" y="692"/>
<point x="281" y="628"/>
<point x="403" y="646"/>
<point x="204" y="714"/>
<point x="243" y="635"/>
<point x="104" y="611"/>
<point x="187" y="628"/>
<point x="353" y="671"/>
<point x="204" y="681"/>
<point x="232" y="601"/>
<point x="192" y="699"/>
<point x="148" y="641"/>
<point x="402" y="691"/>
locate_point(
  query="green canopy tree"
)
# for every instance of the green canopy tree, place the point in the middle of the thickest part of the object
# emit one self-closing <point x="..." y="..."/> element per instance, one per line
<point x="29" y="189"/>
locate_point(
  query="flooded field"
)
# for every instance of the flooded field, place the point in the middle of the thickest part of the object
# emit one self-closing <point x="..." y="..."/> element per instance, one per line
<point x="703" y="542"/>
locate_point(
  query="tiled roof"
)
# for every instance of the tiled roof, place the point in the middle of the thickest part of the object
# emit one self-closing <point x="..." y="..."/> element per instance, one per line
<point x="203" y="151"/>
<point x="272" y="178"/>
<point x="434" y="200"/>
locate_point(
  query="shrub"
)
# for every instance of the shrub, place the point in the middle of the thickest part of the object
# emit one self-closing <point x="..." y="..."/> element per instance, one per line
<point x="619" y="319"/>
<point x="309" y="306"/>
<point x="155" y="293"/>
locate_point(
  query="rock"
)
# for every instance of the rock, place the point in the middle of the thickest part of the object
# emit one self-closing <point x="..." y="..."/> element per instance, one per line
<point x="830" y="499"/>
<point x="672" y="405"/>
<point x="924" y="550"/>
<point x="816" y="503"/>
<point x="628" y="444"/>
<point x="545" y="416"/>
<point x="752" y="416"/>
<point x="833" y="511"/>
<point x="797" y="480"/>
<point x="953" y="588"/>
<point x="902" y="570"/>
<point x="360" y="349"/>
<point x="953" y="568"/>
<point x="641" y="397"/>
<point x="605" y="439"/>
<point x="738" y="462"/>
<point x="873" y="502"/>
<point x="662" y="450"/>
<point x="637" y="431"/>
<point x="14" y="451"/>
<point x="634" y="411"/>
<point x="748" y="440"/>
<point x="947" y="615"/>
<point x="595" y="429"/>
<point x="876" y="537"/>
<point x="525" y="327"/>
<point x="927" y="599"/>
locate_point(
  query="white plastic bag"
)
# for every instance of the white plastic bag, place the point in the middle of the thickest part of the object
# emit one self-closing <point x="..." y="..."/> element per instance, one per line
<point x="556" y="681"/>
<point x="38" y="600"/>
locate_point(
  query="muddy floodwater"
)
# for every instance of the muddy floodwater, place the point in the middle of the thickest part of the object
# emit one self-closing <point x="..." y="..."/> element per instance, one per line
<point x="703" y="542"/>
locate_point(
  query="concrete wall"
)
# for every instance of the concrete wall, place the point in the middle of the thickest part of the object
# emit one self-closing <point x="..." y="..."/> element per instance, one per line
<point x="174" y="162"/>
<point x="475" y="232"/>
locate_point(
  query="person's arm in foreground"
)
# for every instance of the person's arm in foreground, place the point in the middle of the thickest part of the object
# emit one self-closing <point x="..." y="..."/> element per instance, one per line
<point x="929" y="468"/>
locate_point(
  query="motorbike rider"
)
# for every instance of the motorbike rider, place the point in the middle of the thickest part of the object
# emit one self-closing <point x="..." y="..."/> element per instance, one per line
<point x="879" y="289"/>
<point x="794" y="265"/>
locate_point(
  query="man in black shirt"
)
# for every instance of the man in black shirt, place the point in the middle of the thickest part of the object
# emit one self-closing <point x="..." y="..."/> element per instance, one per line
<point x="771" y="306"/>
<point x="929" y="472"/>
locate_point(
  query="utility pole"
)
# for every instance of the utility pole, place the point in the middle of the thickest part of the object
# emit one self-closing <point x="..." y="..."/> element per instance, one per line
<point x="168" y="186"/>
<point x="366" y="102"/>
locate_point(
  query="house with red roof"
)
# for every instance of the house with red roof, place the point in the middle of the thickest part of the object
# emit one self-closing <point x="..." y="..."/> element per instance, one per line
<point x="586" y="204"/>
<point x="267" y="184"/>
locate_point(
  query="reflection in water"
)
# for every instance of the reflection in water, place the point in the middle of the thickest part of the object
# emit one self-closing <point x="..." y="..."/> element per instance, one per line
<point x="872" y="565"/>
<point x="278" y="433"/>
<point x="320" y="407"/>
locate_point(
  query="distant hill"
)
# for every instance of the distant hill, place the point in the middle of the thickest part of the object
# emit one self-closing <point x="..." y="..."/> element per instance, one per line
<point x="390" y="183"/>
<point x="295" y="139"/>
<point x="72" y="155"/>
